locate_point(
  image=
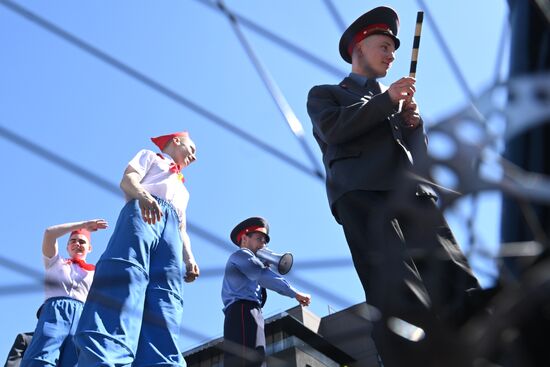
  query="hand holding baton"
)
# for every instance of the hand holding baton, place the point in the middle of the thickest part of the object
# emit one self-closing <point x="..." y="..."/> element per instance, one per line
<point x="416" y="45"/>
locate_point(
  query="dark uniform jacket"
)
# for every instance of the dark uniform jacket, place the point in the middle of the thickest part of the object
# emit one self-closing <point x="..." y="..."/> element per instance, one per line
<point x="18" y="348"/>
<point x="364" y="143"/>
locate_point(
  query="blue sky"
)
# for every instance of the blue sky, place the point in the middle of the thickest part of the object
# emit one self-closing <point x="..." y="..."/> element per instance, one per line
<point x="74" y="105"/>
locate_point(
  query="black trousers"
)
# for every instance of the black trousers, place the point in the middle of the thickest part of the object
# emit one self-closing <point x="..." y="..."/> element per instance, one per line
<point x="411" y="269"/>
<point x="240" y="331"/>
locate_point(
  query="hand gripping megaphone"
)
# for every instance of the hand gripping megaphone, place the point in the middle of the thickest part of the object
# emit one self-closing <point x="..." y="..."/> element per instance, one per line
<point x="279" y="262"/>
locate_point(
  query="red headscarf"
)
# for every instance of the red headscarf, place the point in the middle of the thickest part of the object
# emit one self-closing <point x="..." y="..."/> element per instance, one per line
<point x="161" y="141"/>
<point x="83" y="264"/>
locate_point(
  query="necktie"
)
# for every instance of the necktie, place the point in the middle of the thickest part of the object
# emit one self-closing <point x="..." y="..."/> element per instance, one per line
<point x="373" y="86"/>
<point x="264" y="296"/>
<point x="83" y="264"/>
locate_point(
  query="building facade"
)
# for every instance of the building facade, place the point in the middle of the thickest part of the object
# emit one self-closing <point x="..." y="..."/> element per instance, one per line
<point x="299" y="338"/>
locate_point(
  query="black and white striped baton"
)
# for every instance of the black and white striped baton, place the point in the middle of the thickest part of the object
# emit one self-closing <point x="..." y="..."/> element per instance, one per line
<point x="416" y="43"/>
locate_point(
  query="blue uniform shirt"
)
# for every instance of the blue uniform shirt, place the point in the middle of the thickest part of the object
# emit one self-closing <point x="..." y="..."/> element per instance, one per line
<point x="245" y="274"/>
<point x="360" y="79"/>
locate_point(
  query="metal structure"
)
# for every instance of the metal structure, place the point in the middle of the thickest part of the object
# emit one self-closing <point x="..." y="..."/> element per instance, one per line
<point x="522" y="174"/>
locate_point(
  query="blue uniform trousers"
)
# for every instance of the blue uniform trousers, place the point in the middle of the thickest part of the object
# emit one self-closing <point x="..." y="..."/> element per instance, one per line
<point x="52" y="343"/>
<point x="135" y="305"/>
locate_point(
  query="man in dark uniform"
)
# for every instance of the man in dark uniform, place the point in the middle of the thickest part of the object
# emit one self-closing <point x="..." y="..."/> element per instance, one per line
<point x="407" y="259"/>
<point x="243" y="295"/>
<point x="18" y="348"/>
<point x="20" y="345"/>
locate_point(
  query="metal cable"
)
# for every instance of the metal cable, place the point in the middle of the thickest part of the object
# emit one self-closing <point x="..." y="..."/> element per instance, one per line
<point x="335" y="15"/>
<point x="274" y="90"/>
<point x="451" y="60"/>
<point x="158" y="87"/>
<point x="280" y="41"/>
<point x="111" y="188"/>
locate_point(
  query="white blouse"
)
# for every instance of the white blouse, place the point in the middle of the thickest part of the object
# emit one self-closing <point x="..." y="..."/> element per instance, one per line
<point x="66" y="279"/>
<point x="159" y="181"/>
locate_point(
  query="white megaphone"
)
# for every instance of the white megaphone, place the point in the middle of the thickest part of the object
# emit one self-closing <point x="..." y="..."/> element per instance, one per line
<point x="279" y="262"/>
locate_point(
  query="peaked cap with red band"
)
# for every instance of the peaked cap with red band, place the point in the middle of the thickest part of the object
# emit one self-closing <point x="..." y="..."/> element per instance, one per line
<point x="84" y="232"/>
<point x="163" y="140"/>
<point x="249" y="225"/>
<point x="380" y="20"/>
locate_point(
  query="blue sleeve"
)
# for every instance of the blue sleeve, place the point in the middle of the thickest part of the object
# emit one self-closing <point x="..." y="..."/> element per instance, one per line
<point x="271" y="280"/>
<point x="248" y="264"/>
<point x="255" y="270"/>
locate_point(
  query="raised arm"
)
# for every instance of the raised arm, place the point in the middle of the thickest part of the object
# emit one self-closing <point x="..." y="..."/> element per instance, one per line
<point x="50" y="247"/>
<point x="254" y="269"/>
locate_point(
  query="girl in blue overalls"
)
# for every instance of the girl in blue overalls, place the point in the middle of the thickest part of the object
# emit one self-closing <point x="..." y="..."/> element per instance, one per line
<point x="67" y="283"/>
<point x="135" y="306"/>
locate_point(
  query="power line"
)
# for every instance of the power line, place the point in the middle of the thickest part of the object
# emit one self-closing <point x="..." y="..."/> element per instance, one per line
<point x="20" y="268"/>
<point x="499" y="59"/>
<point x="278" y="97"/>
<point x="335" y="15"/>
<point x="167" y="92"/>
<point x="95" y="179"/>
<point x="91" y="176"/>
<point x="448" y="55"/>
<point x="280" y="41"/>
<point x="471" y="98"/>
<point x="211" y="237"/>
<point x="209" y="272"/>
<point x="58" y="160"/>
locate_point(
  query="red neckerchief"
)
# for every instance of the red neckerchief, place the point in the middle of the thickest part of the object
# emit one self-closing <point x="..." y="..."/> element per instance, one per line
<point x="174" y="168"/>
<point x="83" y="264"/>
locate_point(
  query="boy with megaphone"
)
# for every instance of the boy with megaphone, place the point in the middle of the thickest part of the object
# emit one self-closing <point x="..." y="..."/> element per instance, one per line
<point x="243" y="294"/>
